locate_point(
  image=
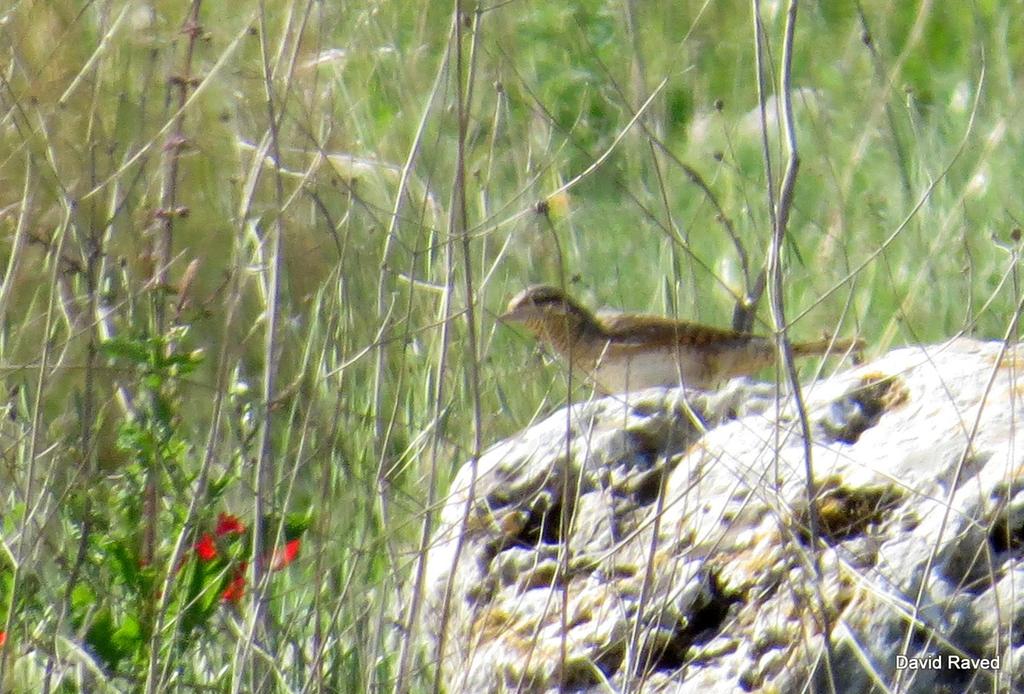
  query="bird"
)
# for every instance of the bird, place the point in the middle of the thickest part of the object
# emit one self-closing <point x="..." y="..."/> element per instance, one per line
<point x="625" y="352"/>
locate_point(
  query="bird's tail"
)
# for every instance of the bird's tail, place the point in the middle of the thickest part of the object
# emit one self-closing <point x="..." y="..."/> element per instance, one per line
<point x="837" y="347"/>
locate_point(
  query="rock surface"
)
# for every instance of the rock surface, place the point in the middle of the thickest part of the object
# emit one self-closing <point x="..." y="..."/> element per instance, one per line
<point x="667" y="544"/>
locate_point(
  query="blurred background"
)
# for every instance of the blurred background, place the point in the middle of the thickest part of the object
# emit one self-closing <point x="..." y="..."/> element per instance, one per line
<point x="253" y="252"/>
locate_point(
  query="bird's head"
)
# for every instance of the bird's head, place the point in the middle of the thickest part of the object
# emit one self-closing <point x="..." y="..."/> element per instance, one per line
<point x="550" y="314"/>
<point x="541" y="302"/>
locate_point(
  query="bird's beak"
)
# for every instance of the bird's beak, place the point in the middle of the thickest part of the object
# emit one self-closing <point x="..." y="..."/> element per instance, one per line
<point x="521" y="314"/>
<point x="513" y="316"/>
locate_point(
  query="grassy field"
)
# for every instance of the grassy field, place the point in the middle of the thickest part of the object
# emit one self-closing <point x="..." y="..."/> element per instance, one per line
<point x="253" y="253"/>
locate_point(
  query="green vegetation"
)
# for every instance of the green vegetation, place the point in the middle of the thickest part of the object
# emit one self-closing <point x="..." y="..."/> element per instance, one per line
<point x="248" y="297"/>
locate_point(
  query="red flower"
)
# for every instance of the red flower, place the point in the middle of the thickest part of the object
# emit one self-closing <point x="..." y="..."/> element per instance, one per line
<point x="227" y="523"/>
<point x="283" y="556"/>
<point x="236" y="587"/>
<point x="206" y="549"/>
<point x="3" y="638"/>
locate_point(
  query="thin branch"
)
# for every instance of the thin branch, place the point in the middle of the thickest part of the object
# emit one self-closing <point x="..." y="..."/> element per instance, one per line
<point x="780" y="222"/>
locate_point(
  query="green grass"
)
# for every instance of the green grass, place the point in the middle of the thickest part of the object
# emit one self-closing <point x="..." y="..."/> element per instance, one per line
<point x="902" y="232"/>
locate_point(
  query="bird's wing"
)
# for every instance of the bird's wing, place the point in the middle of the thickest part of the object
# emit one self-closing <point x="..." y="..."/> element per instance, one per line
<point x="657" y="330"/>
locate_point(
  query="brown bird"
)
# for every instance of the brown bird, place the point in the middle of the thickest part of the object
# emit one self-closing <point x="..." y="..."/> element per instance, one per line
<point x="627" y="352"/>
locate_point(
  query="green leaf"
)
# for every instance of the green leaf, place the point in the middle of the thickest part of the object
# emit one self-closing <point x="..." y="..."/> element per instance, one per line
<point x="296" y="525"/>
<point x="203" y="594"/>
<point x="100" y="639"/>
<point x="126" y="562"/>
<point x="127" y="637"/>
<point x="126" y="348"/>
<point x="82" y="598"/>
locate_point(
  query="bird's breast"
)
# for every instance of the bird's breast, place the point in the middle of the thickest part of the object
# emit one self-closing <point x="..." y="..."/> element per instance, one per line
<point x="623" y="373"/>
<point x="621" y="370"/>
